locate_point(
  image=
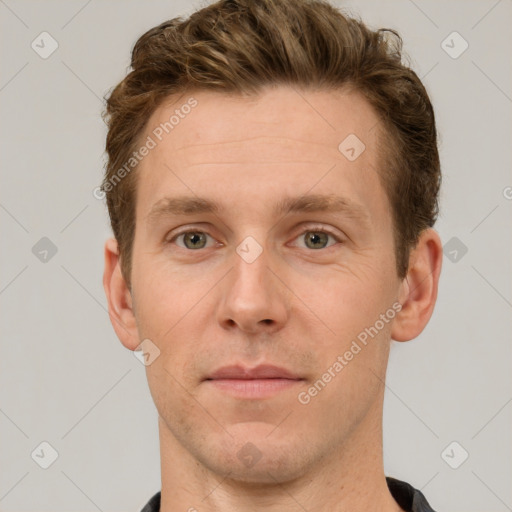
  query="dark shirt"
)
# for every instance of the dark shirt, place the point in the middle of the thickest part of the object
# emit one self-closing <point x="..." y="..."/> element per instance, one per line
<point x="409" y="498"/>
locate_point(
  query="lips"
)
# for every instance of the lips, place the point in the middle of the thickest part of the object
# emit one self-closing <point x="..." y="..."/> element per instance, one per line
<point x="261" y="382"/>
<point x="265" y="371"/>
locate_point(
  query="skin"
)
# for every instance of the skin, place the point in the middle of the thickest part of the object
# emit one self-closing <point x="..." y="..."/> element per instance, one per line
<point x="297" y="306"/>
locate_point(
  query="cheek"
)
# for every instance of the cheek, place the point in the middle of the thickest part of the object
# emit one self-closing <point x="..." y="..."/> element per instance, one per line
<point x="347" y="301"/>
<point x="351" y="306"/>
<point x="173" y="403"/>
<point x="164" y="297"/>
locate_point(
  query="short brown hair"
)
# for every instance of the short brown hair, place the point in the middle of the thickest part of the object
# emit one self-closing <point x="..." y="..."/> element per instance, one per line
<point x="240" y="46"/>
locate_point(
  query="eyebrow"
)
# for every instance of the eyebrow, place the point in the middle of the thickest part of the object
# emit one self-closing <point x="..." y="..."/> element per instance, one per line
<point x="187" y="205"/>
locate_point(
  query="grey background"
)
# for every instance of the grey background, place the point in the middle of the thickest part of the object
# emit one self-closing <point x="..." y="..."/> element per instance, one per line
<point x="65" y="377"/>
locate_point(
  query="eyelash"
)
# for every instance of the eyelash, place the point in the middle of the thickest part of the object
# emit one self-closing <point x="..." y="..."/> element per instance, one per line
<point x="312" y="229"/>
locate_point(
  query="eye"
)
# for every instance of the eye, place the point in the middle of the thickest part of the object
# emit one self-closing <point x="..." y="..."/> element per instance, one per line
<point x="191" y="239"/>
<point x="314" y="238"/>
<point x="317" y="238"/>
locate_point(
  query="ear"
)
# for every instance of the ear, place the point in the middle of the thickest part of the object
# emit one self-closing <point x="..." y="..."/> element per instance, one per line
<point x="418" y="290"/>
<point x="120" y="305"/>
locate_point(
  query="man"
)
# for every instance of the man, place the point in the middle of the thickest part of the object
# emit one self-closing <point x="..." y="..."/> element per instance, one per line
<point x="272" y="185"/>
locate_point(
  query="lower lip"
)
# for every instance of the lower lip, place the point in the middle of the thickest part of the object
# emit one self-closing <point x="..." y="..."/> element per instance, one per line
<point x="253" y="388"/>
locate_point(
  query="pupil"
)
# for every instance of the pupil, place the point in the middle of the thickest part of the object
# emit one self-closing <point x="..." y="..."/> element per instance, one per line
<point x="194" y="238"/>
<point x="316" y="238"/>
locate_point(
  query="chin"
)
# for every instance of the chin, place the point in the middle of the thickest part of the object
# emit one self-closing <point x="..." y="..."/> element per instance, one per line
<point x="269" y="470"/>
<point x="252" y="456"/>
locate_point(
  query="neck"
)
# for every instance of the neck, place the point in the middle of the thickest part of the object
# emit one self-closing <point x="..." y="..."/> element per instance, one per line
<point x="350" y="478"/>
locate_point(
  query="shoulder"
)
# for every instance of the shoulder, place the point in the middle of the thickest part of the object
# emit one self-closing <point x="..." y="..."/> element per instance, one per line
<point x="153" y="505"/>
<point x="409" y="498"/>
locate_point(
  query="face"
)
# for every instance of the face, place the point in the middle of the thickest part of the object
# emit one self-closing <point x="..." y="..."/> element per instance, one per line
<point x="264" y="272"/>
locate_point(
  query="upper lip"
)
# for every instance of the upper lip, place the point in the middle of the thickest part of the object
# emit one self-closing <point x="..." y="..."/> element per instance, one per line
<point x="263" y="371"/>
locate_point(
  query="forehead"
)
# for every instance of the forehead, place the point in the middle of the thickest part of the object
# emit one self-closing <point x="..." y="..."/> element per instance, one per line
<point x="317" y="120"/>
<point x="213" y="142"/>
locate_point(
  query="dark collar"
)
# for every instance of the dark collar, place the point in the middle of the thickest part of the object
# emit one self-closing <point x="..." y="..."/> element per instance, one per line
<point x="409" y="498"/>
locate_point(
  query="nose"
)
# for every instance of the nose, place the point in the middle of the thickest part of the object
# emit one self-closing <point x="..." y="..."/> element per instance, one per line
<point x="254" y="299"/>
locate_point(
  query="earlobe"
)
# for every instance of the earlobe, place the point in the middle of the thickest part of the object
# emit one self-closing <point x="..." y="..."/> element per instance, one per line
<point x="120" y="304"/>
<point x="418" y="292"/>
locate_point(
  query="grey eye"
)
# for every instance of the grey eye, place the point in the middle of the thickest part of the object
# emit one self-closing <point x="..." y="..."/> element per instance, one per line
<point x="316" y="239"/>
<point x="194" y="239"/>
